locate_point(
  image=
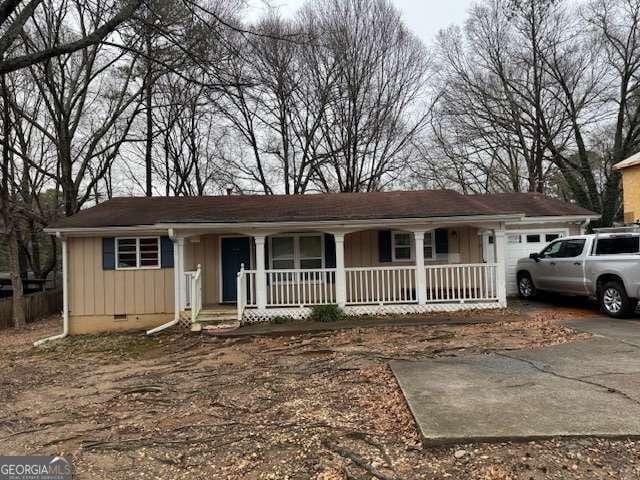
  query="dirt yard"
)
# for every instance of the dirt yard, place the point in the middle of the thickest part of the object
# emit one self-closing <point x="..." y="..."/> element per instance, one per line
<point x="310" y="406"/>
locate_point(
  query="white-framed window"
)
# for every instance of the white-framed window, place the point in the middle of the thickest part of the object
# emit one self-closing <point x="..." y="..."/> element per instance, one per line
<point x="302" y="251"/>
<point x="403" y="246"/>
<point x="137" y="252"/>
<point x="429" y="246"/>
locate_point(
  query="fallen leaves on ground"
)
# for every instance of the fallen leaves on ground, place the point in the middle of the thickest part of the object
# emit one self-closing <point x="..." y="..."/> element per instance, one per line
<point x="320" y="405"/>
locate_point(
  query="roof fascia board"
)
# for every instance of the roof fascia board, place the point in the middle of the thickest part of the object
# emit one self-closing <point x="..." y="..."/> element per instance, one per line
<point x="555" y="219"/>
<point x="269" y="226"/>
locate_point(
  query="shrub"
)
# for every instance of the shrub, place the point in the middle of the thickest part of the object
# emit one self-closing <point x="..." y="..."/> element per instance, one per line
<point x="326" y="313"/>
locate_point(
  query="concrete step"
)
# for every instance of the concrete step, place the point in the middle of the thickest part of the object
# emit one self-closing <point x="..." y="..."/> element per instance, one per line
<point x="221" y="327"/>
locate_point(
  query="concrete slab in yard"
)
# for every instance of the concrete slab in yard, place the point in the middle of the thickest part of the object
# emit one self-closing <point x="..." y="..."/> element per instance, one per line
<point x="586" y="388"/>
<point x="624" y="330"/>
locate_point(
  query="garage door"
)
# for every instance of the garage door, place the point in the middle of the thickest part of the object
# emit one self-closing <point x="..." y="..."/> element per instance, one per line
<point x="520" y="244"/>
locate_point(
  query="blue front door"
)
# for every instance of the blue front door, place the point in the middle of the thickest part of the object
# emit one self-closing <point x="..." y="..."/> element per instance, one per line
<point x="234" y="251"/>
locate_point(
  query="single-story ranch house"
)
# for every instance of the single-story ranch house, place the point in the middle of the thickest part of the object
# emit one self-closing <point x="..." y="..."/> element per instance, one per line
<point x="133" y="263"/>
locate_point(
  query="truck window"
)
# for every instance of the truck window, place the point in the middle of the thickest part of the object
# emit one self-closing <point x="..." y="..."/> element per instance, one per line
<point x="552" y="251"/>
<point x="572" y="248"/>
<point x="617" y="245"/>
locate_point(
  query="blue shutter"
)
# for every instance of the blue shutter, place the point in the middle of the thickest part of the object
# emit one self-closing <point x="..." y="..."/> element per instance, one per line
<point x="442" y="240"/>
<point x="108" y="253"/>
<point x="166" y="252"/>
<point x="384" y="246"/>
<point x="329" y="251"/>
<point x="329" y="255"/>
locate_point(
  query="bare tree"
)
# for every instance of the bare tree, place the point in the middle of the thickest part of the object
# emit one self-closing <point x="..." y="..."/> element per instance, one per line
<point x="17" y="19"/>
<point x="373" y="112"/>
<point x="495" y="108"/>
<point x="529" y="96"/>
<point x="94" y="80"/>
<point x="7" y="199"/>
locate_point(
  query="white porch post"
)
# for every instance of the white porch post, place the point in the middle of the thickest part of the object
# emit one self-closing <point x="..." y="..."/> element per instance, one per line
<point x="501" y="261"/>
<point x="178" y="275"/>
<point x="421" y="274"/>
<point x="261" y="275"/>
<point x="341" y="277"/>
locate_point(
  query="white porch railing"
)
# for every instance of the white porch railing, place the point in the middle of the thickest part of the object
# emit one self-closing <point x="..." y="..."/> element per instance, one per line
<point x="380" y="285"/>
<point x="300" y="287"/>
<point x="289" y="287"/>
<point x="187" y="288"/>
<point x="461" y="283"/>
<point x="245" y="290"/>
<point x="444" y="284"/>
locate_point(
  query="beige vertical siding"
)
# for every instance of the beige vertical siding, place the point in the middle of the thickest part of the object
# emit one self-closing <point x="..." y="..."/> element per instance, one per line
<point x="631" y="193"/>
<point x="146" y="297"/>
<point x="96" y="295"/>
<point x="361" y="248"/>
<point x="205" y="250"/>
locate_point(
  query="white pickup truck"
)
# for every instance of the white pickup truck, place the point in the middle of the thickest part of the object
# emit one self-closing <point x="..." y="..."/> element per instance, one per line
<point x="603" y="265"/>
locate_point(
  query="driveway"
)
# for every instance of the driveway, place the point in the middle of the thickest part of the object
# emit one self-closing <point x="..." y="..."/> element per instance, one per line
<point x="589" y="387"/>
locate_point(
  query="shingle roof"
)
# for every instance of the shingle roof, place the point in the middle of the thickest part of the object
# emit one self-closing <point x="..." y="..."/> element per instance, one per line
<point x="531" y="204"/>
<point x="131" y="211"/>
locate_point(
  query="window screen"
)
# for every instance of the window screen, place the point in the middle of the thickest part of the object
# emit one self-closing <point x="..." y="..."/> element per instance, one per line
<point x="138" y="252"/>
<point x="401" y="246"/>
<point x="429" y="250"/>
<point x="149" y="252"/>
<point x="297" y="252"/>
<point x="283" y="253"/>
<point x="127" y="253"/>
<point x="310" y="252"/>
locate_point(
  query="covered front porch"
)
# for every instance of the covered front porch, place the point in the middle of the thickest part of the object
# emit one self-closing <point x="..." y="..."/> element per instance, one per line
<point x="390" y="268"/>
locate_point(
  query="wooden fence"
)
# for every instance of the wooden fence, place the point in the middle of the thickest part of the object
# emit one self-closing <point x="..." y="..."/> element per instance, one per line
<point x="37" y="305"/>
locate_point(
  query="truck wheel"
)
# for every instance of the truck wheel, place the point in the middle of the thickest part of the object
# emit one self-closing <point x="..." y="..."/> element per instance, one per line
<point x="615" y="302"/>
<point x="526" y="288"/>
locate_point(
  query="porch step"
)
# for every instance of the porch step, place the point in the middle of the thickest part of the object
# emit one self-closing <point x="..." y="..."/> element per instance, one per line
<point x="215" y="320"/>
<point x="222" y="327"/>
<point x="216" y="315"/>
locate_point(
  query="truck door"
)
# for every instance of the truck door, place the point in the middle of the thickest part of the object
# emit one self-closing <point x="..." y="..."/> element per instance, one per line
<point x="544" y="268"/>
<point x="567" y="274"/>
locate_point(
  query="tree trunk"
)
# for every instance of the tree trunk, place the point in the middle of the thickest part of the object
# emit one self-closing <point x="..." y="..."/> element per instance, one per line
<point x="19" y="317"/>
<point x="148" y="154"/>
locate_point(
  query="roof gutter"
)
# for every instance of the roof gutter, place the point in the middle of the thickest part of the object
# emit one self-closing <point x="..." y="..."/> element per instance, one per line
<point x="558" y="218"/>
<point x="65" y="296"/>
<point x="164" y="326"/>
<point x="316" y="224"/>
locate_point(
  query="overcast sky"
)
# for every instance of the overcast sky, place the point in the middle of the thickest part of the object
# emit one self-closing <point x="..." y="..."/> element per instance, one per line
<point x="424" y="17"/>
